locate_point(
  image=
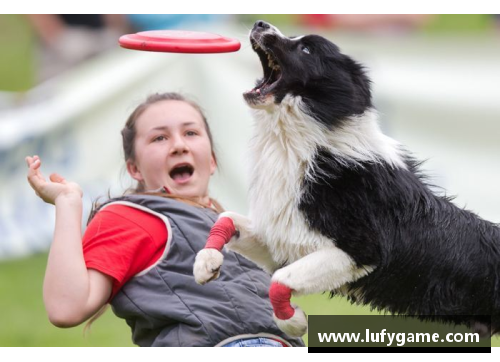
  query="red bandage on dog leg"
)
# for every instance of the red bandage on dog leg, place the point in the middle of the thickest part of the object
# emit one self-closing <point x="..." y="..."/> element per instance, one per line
<point x="222" y="231"/>
<point x="280" y="296"/>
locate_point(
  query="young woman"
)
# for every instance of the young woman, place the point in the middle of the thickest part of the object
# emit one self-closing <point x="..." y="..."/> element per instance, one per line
<point x="138" y="250"/>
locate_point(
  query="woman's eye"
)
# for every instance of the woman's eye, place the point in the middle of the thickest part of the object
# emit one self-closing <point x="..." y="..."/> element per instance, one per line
<point x="159" y="138"/>
<point x="306" y="50"/>
<point x="191" y="133"/>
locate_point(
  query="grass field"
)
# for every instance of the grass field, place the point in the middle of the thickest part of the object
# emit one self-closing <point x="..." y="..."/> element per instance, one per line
<point x="18" y="60"/>
<point x="24" y="322"/>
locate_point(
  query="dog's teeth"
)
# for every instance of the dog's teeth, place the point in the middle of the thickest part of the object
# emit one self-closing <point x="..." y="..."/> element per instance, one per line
<point x="271" y="63"/>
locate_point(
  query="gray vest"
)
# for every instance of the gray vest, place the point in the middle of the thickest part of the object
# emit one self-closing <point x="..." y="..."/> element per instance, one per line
<point x="164" y="306"/>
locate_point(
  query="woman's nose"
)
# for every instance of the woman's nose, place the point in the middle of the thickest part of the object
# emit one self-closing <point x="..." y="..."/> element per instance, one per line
<point x="179" y="146"/>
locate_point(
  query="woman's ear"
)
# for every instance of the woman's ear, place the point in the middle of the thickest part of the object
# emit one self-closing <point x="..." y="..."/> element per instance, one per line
<point x="134" y="171"/>
<point x="213" y="164"/>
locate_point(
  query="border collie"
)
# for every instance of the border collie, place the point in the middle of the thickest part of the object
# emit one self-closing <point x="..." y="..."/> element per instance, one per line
<point x="338" y="206"/>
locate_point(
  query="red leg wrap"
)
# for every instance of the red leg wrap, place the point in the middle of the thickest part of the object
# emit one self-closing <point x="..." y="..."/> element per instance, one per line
<point x="280" y="296"/>
<point x="222" y="231"/>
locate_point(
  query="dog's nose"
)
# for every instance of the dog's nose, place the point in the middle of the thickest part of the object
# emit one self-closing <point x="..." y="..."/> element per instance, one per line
<point x="261" y="24"/>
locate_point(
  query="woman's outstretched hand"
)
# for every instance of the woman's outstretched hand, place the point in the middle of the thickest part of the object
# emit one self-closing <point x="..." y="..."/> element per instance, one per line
<point x="49" y="191"/>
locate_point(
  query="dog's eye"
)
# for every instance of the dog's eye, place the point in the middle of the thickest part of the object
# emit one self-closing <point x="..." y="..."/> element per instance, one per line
<point x="306" y="50"/>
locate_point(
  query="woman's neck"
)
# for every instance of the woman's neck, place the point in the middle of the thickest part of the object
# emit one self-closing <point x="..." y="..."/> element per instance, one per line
<point x="205" y="200"/>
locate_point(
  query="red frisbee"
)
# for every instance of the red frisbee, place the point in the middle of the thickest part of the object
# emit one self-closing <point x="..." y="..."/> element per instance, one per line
<point x="179" y="41"/>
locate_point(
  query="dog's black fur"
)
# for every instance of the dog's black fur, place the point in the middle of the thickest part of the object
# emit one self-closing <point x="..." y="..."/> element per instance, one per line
<point x="432" y="258"/>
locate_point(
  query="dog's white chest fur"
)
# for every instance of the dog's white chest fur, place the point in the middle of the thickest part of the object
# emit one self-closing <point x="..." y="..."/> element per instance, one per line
<point x="283" y="146"/>
<point x="282" y="152"/>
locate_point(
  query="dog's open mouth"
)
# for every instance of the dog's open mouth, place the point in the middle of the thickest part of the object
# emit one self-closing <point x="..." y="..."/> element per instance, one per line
<point x="181" y="173"/>
<point x="272" y="71"/>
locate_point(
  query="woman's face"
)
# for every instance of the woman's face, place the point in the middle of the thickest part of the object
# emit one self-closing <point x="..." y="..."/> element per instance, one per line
<point x="172" y="150"/>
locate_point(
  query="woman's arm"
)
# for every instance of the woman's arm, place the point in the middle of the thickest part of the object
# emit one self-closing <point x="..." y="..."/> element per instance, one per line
<point x="71" y="292"/>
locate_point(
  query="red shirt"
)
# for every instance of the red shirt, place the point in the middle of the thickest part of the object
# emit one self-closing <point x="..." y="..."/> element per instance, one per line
<point x="122" y="241"/>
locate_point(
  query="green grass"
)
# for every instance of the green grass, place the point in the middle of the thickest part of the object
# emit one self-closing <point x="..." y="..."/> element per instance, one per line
<point x="24" y="322"/>
<point x="18" y="59"/>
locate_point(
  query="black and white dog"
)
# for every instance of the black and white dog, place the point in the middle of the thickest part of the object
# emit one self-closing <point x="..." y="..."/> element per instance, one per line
<point x="338" y="206"/>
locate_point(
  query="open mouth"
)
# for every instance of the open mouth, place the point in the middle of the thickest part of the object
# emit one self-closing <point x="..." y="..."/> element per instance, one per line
<point x="272" y="71"/>
<point x="182" y="173"/>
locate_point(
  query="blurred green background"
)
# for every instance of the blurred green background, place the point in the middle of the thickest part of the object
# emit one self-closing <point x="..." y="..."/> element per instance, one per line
<point x="17" y="63"/>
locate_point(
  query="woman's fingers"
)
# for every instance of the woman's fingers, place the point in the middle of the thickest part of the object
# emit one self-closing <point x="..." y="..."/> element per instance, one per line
<point x="35" y="177"/>
<point x="33" y="162"/>
<point x="49" y="190"/>
<point x="57" y="178"/>
<point x="36" y="163"/>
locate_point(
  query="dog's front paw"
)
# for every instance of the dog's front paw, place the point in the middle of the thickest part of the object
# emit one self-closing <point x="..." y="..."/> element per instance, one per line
<point x="207" y="265"/>
<point x="295" y="326"/>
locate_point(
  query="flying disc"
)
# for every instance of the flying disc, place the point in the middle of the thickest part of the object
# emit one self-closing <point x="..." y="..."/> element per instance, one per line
<point x="179" y="41"/>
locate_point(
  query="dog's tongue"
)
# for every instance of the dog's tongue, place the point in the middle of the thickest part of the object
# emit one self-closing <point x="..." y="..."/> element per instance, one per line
<point x="182" y="176"/>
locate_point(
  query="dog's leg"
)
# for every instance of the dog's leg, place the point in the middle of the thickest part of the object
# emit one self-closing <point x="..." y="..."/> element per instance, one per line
<point x="323" y="270"/>
<point x="236" y="231"/>
<point x="248" y="244"/>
